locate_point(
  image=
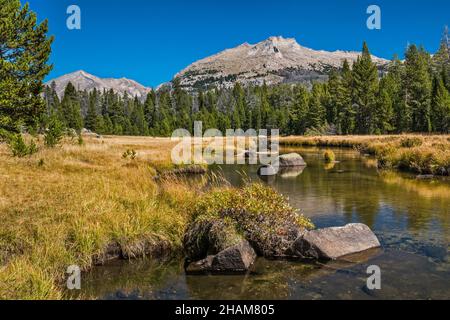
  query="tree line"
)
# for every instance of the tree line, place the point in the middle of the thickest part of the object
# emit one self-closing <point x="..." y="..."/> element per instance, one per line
<point x="410" y="96"/>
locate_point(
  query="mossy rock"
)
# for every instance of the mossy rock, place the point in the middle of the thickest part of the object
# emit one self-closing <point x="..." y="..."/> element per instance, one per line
<point x="208" y="237"/>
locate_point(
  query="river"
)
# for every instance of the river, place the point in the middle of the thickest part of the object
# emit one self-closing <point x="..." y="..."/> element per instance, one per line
<point x="410" y="217"/>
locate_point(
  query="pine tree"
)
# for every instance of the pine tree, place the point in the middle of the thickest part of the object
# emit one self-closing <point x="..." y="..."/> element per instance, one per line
<point x="316" y="113"/>
<point x="24" y="51"/>
<point x="299" y="110"/>
<point x="385" y="111"/>
<point x="70" y="111"/>
<point x="138" y="121"/>
<point x="346" y="116"/>
<point x="440" y="106"/>
<point x="365" y="88"/>
<point x="90" y="120"/>
<point x="149" y="109"/>
<point x="335" y="91"/>
<point x="417" y="86"/>
<point x="239" y="114"/>
<point x="441" y="60"/>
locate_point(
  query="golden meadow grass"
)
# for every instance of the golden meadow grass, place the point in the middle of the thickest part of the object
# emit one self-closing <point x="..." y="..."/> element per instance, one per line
<point x="63" y="206"/>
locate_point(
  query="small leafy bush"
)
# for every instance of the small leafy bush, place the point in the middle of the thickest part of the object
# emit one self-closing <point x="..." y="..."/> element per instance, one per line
<point x="19" y="147"/>
<point x="329" y="156"/>
<point x="54" y="133"/>
<point x="129" y="154"/>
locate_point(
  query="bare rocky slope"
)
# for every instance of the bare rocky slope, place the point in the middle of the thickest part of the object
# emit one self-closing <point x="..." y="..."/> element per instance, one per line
<point x="275" y="60"/>
<point x="85" y="81"/>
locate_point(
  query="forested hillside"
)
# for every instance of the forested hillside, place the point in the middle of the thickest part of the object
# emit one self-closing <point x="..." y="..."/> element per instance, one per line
<point x="413" y="96"/>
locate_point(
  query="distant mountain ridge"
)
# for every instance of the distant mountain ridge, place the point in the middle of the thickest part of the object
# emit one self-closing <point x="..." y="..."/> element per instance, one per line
<point x="85" y="81"/>
<point x="273" y="61"/>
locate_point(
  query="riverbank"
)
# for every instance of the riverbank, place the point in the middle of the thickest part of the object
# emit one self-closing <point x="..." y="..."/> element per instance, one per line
<point x="420" y="154"/>
<point x="71" y="204"/>
<point x="109" y="198"/>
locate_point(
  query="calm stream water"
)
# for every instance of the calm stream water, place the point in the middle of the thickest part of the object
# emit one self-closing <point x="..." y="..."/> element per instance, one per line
<point x="410" y="217"/>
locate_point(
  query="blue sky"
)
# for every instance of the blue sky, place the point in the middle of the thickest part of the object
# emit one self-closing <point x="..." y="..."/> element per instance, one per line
<point x="149" y="41"/>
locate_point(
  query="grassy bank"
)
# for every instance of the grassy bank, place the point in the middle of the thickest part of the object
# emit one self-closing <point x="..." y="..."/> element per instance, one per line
<point x="64" y="206"/>
<point x="72" y="204"/>
<point x="422" y="154"/>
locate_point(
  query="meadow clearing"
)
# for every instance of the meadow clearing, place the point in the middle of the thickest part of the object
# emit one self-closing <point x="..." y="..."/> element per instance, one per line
<point x="78" y="203"/>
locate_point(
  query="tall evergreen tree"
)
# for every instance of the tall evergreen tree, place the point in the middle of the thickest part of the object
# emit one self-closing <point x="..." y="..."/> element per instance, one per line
<point x="440" y="106"/>
<point x="346" y="114"/>
<point x="316" y="112"/>
<point x="365" y="88"/>
<point x="70" y="111"/>
<point x="90" y="120"/>
<point x="24" y="51"/>
<point x="417" y="86"/>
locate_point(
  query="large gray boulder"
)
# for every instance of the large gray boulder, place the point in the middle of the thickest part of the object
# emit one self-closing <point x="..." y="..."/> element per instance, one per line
<point x="291" y="160"/>
<point x="284" y="161"/>
<point x="336" y="242"/>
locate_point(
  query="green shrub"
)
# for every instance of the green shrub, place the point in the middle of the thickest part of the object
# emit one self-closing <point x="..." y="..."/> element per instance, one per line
<point x="249" y="204"/>
<point x="129" y="154"/>
<point x="19" y="147"/>
<point x="329" y="156"/>
<point x="80" y="140"/>
<point x="54" y="133"/>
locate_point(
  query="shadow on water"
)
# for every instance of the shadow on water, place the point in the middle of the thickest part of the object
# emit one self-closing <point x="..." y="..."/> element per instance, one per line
<point x="410" y="217"/>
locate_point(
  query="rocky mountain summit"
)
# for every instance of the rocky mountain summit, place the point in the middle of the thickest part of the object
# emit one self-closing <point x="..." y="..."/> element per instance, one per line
<point x="275" y="60"/>
<point x="85" y="81"/>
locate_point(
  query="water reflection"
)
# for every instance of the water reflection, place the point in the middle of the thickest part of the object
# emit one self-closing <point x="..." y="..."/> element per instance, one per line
<point x="410" y="217"/>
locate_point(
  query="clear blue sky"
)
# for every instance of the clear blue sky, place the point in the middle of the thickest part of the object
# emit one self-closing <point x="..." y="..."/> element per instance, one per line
<point x="149" y="41"/>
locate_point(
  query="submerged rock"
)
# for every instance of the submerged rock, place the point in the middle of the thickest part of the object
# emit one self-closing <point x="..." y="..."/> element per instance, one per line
<point x="267" y="170"/>
<point x="200" y="266"/>
<point x="425" y="177"/>
<point x="291" y="172"/>
<point x="336" y="242"/>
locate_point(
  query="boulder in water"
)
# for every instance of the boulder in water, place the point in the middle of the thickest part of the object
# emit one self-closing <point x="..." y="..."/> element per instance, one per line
<point x="336" y="242"/>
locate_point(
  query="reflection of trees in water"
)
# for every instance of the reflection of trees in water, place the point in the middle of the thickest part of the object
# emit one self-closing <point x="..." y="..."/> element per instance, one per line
<point x="269" y="279"/>
<point x="134" y="279"/>
<point x="354" y="190"/>
<point x="360" y="193"/>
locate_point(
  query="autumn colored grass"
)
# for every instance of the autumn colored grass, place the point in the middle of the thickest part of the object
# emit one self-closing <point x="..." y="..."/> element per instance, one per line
<point x="63" y="206"/>
<point x="68" y="205"/>
<point x="421" y="154"/>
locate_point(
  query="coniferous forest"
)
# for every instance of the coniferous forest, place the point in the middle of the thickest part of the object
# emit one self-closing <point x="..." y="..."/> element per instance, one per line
<point x="408" y="96"/>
